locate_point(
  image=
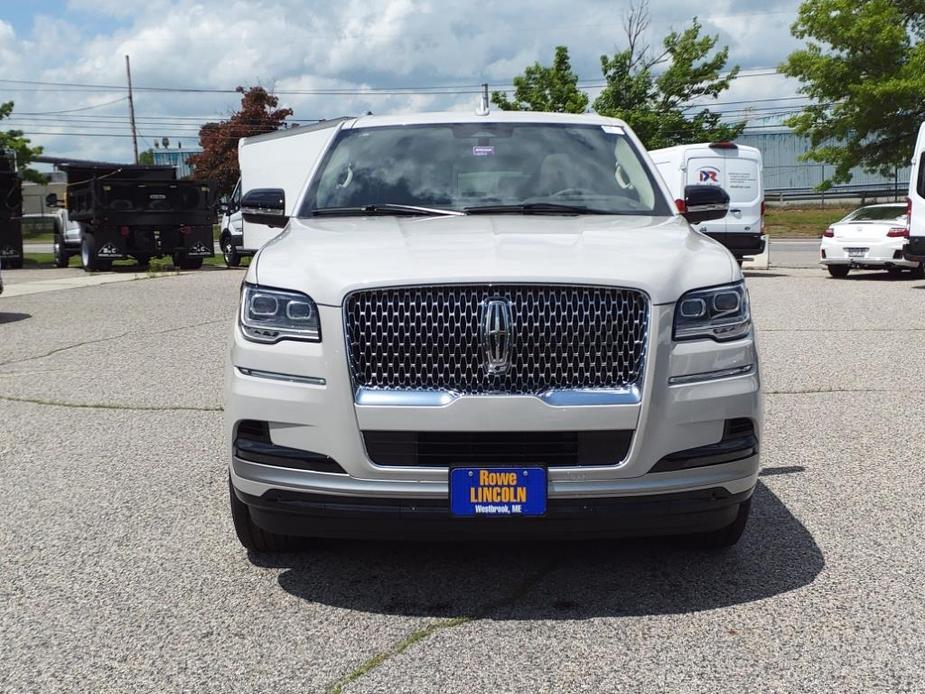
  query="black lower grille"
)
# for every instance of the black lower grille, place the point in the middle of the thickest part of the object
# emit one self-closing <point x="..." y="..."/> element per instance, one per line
<point x="455" y="448"/>
<point x="252" y="443"/>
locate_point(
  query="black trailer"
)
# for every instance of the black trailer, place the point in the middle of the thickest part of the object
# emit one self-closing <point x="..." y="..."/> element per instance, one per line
<point x="10" y="215"/>
<point x="140" y="212"/>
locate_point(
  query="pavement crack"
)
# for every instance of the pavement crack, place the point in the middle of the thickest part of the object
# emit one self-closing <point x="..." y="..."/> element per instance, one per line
<point x="820" y="391"/>
<point x="111" y="406"/>
<point x="140" y="333"/>
<point x="841" y="330"/>
<point x="65" y="349"/>
<point x="423" y="633"/>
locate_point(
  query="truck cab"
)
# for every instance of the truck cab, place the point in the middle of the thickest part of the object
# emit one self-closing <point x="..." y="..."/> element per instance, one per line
<point x="231" y="235"/>
<point x="915" y="248"/>
<point x="735" y="168"/>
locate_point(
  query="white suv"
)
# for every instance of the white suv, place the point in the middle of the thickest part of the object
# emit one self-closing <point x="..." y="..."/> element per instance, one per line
<point x="486" y="325"/>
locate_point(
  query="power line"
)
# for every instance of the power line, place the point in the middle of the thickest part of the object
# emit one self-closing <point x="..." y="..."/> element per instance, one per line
<point x="71" y="110"/>
<point x="444" y="89"/>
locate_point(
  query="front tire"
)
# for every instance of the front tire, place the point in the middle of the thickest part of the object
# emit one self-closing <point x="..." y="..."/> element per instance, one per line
<point x="61" y="254"/>
<point x="184" y="262"/>
<point x="839" y="271"/>
<point x="724" y="537"/>
<point x="252" y="537"/>
<point x="230" y="251"/>
<point x="918" y="272"/>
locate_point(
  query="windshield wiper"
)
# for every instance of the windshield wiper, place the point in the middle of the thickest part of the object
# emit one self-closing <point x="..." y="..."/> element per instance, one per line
<point x="535" y="208"/>
<point x="382" y="208"/>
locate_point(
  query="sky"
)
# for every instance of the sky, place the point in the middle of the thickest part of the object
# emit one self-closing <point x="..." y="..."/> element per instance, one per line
<point x="384" y="49"/>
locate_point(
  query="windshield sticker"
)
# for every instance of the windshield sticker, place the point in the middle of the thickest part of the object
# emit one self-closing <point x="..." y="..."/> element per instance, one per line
<point x="483" y="151"/>
<point x="613" y="129"/>
<point x="708" y="175"/>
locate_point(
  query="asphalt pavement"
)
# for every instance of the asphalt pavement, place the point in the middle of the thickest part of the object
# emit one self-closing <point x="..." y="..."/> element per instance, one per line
<point x="120" y="570"/>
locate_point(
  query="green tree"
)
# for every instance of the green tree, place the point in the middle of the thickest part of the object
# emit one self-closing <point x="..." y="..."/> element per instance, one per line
<point x="653" y="92"/>
<point x="146" y="158"/>
<point x="541" y="88"/>
<point x="13" y="142"/>
<point x="864" y="68"/>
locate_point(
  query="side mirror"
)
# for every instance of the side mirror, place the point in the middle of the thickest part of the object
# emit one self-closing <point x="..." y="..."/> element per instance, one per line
<point x="223" y="207"/>
<point x="705" y="203"/>
<point x="51" y="200"/>
<point x="265" y="206"/>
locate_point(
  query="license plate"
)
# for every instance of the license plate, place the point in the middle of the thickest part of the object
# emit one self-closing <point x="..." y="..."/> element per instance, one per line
<point x="857" y="252"/>
<point x="493" y="492"/>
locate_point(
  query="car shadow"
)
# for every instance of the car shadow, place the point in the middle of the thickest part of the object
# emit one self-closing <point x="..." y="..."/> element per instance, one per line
<point x="13" y="317"/>
<point x="877" y="276"/>
<point x="578" y="580"/>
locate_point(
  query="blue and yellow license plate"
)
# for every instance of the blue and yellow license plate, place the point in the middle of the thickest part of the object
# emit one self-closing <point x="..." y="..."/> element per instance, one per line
<point x="497" y="492"/>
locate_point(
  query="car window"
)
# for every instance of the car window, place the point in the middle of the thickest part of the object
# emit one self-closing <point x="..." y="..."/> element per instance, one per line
<point x="877" y="214"/>
<point x="462" y="165"/>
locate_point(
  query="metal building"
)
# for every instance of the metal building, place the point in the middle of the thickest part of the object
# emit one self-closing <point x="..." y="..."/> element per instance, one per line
<point x="787" y="177"/>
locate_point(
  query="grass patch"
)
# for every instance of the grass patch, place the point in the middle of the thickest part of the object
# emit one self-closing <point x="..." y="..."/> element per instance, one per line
<point x="802" y="222"/>
<point x="41" y="260"/>
<point x="35" y="261"/>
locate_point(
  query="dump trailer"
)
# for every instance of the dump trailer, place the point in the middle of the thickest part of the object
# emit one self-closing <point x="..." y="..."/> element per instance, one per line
<point x="10" y="215"/>
<point x="139" y="212"/>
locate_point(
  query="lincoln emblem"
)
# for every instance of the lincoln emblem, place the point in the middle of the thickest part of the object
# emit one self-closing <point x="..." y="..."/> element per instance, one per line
<point x="496" y="335"/>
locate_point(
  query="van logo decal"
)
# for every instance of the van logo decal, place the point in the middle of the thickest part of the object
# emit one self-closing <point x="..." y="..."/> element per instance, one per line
<point x="708" y="175"/>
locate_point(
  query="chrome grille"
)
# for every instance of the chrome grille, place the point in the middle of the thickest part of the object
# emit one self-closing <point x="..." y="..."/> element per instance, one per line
<point x="563" y="337"/>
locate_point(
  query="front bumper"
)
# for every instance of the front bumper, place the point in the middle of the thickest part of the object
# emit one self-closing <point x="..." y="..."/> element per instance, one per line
<point x="304" y="391"/>
<point x="314" y="515"/>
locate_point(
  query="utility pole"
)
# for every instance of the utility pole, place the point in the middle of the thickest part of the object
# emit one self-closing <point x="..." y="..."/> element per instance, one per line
<point x="131" y="108"/>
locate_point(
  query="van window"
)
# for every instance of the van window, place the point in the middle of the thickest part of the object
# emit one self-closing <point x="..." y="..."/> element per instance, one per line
<point x="236" y="196"/>
<point x="920" y="188"/>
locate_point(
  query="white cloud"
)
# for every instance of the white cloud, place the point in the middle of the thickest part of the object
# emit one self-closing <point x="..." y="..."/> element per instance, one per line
<point x="294" y="45"/>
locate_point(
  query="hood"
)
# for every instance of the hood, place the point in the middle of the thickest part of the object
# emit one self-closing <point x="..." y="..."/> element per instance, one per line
<point x="329" y="258"/>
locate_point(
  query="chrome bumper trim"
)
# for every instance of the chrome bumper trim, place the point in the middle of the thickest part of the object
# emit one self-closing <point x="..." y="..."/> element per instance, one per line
<point x="553" y="398"/>
<point x="711" y="375"/>
<point x="289" y="378"/>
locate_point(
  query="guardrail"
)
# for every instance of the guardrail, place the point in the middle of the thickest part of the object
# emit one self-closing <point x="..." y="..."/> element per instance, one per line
<point x="897" y="191"/>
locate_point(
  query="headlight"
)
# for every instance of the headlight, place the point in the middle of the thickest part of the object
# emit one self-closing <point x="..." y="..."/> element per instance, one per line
<point x="271" y="315"/>
<point x="717" y="313"/>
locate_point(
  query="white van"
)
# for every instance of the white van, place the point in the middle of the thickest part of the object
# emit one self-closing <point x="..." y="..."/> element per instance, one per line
<point x="915" y="249"/>
<point x="276" y="161"/>
<point x="737" y="169"/>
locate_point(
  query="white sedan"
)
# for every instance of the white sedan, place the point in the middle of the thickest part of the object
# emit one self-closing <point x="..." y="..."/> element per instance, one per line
<point x="869" y="238"/>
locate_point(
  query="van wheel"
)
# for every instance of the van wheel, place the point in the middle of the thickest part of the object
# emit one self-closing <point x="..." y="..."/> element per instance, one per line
<point x="184" y="262"/>
<point x="839" y="271"/>
<point x="254" y="538"/>
<point x="724" y="537"/>
<point x="89" y="256"/>
<point x="143" y="261"/>
<point x="61" y="255"/>
<point x="918" y="272"/>
<point x="230" y="251"/>
<point x="14" y="263"/>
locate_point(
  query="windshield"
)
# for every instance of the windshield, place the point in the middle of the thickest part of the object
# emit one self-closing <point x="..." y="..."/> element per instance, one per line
<point x="877" y="214"/>
<point x="502" y="167"/>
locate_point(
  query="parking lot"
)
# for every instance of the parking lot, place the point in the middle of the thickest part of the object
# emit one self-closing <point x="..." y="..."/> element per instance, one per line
<point x="121" y="571"/>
